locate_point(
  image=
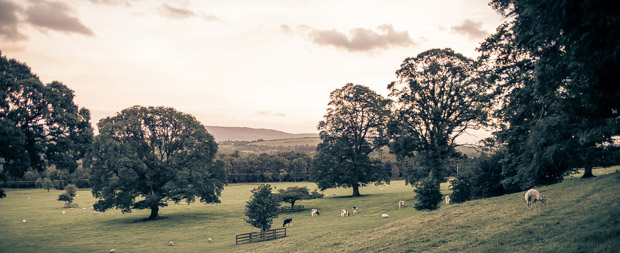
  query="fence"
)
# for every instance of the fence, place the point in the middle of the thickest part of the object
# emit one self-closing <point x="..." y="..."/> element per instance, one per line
<point x="261" y="236"/>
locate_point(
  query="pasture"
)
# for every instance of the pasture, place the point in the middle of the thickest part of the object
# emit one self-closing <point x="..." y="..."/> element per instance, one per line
<point x="581" y="216"/>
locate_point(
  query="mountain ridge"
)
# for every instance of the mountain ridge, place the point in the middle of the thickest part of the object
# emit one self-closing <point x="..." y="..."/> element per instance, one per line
<point x="221" y="133"/>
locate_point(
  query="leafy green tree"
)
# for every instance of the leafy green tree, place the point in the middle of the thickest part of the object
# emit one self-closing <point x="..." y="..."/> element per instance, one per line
<point x="71" y="190"/>
<point x="427" y="193"/>
<point x="299" y="169"/>
<point x="576" y="51"/>
<point x="439" y="95"/>
<point x="354" y="126"/>
<point x="146" y="156"/>
<point x="47" y="184"/>
<point x="65" y="197"/>
<point x="262" y="207"/>
<point x="40" y="125"/>
<point x="296" y="193"/>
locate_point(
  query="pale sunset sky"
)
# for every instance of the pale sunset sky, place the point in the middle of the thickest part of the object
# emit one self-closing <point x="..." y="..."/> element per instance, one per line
<point x="260" y="64"/>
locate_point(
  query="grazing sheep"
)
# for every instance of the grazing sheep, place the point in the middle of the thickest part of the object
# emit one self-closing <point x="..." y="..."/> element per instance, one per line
<point x="385" y="215"/>
<point x="83" y="208"/>
<point x="401" y="204"/>
<point x="354" y="209"/>
<point x="171" y="243"/>
<point x="112" y="251"/>
<point x="448" y="200"/>
<point x="63" y="212"/>
<point x="344" y="213"/>
<point x="95" y="212"/>
<point x="24" y="220"/>
<point x="288" y="222"/>
<point x="315" y="212"/>
<point x="209" y="239"/>
<point x="532" y="196"/>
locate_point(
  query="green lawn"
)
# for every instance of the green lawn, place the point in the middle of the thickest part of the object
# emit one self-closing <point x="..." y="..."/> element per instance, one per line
<point x="581" y="216"/>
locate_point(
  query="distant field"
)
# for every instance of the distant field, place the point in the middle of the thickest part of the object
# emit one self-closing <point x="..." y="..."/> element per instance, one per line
<point x="582" y="216"/>
<point x="310" y="141"/>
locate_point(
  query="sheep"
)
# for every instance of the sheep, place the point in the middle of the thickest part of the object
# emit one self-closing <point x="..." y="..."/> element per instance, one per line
<point x="63" y="212"/>
<point x="171" y="243"/>
<point x="344" y="213"/>
<point x="354" y="209"/>
<point x="112" y="251"/>
<point x="209" y="239"/>
<point x="448" y="200"/>
<point x="532" y="196"/>
<point x="288" y="222"/>
<point x="385" y="215"/>
<point x="315" y="212"/>
<point x="24" y="220"/>
<point x="401" y="204"/>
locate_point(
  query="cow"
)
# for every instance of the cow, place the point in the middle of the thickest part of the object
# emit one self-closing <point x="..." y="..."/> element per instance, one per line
<point x="315" y="212"/>
<point x="288" y="222"/>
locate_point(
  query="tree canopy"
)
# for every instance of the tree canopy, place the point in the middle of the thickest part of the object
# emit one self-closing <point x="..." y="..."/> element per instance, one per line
<point x="439" y="95"/>
<point x="354" y="126"/>
<point x="146" y="156"/>
<point x="295" y="193"/>
<point x="40" y="125"/>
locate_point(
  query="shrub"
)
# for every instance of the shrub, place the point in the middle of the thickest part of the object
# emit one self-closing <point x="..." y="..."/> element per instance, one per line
<point x="47" y="184"/>
<point x="262" y="207"/>
<point x="427" y="194"/>
<point x="461" y="189"/>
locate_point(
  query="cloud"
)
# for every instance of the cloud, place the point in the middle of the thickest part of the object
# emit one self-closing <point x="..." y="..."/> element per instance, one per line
<point x="111" y="2"/>
<point x="471" y="29"/>
<point x="181" y="13"/>
<point x="362" y="39"/>
<point x="9" y="22"/>
<point x="267" y="113"/>
<point x="55" y="16"/>
<point x="285" y="28"/>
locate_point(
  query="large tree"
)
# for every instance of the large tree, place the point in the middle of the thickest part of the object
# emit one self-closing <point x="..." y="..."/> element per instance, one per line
<point x="146" y="156"/>
<point x="40" y="125"/>
<point x="295" y="193"/>
<point x="354" y="126"/>
<point x="576" y="45"/>
<point x="438" y="97"/>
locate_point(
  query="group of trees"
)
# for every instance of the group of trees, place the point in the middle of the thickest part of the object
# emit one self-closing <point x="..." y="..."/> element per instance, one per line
<point x="547" y="81"/>
<point x="278" y="167"/>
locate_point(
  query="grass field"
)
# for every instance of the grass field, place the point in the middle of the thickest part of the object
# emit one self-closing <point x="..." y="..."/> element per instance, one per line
<point x="310" y="141"/>
<point x="581" y="216"/>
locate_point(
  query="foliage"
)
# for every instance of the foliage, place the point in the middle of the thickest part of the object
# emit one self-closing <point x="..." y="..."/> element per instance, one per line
<point x="427" y="195"/>
<point x="40" y="125"/>
<point x="438" y="96"/>
<point x="262" y="207"/>
<point x="71" y="190"/>
<point x="145" y="156"/>
<point x="295" y="193"/>
<point x="461" y="189"/>
<point x="47" y="184"/>
<point x="571" y="99"/>
<point x="66" y="197"/>
<point x="286" y="166"/>
<point x="354" y="126"/>
<point x="2" y="194"/>
<point x="481" y="180"/>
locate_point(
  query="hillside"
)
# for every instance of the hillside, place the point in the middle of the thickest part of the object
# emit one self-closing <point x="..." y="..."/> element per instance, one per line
<point x="251" y="134"/>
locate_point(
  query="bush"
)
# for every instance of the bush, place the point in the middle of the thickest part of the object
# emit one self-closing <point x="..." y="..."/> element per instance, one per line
<point x="262" y="207"/>
<point x="461" y="189"/>
<point x="47" y="184"/>
<point x="427" y="194"/>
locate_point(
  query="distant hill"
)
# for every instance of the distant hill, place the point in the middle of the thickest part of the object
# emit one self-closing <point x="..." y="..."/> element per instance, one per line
<point x="251" y="134"/>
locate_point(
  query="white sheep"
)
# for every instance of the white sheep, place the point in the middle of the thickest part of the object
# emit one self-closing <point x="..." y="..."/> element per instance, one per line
<point x="209" y="239"/>
<point x="385" y="215"/>
<point x="112" y="251"/>
<point x="532" y="196"/>
<point x="63" y="212"/>
<point x="401" y="204"/>
<point x="448" y="200"/>
<point x="171" y="243"/>
<point x="24" y="220"/>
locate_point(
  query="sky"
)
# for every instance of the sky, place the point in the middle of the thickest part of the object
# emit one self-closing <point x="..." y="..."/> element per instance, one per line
<point x="261" y="64"/>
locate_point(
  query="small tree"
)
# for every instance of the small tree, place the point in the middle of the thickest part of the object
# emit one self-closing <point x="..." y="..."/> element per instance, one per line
<point x="66" y="198"/>
<point x="262" y="207"/>
<point x="427" y="194"/>
<point x="295" y="193"/>
<point x="47" y="184"/>
<point x="71" y="190"/>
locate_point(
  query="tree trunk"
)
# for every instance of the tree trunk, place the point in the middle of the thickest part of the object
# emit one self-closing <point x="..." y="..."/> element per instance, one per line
<point x="293" y="205"/>
<point x="356" y="190"/>
<point x="154" y="213"/>
<point x="587" y="172"/>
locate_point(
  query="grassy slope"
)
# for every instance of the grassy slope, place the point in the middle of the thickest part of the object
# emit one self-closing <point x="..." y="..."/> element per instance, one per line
<point x="582" y="215"/>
